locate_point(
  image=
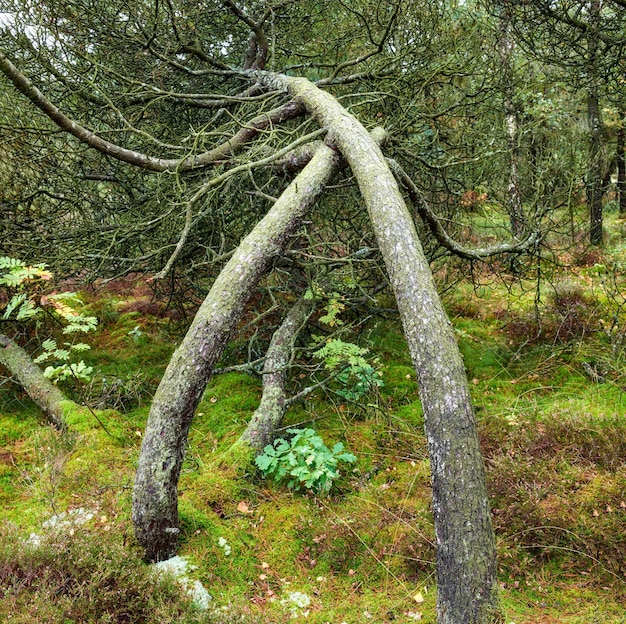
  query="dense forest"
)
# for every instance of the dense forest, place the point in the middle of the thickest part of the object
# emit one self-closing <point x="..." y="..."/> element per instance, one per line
<point x="313" y="310"/>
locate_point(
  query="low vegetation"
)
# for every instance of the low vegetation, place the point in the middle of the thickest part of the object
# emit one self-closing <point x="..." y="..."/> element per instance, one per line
<point x="355" y="543"/>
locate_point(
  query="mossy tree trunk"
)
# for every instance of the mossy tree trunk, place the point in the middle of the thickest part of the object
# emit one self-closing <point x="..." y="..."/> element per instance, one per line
<point x="155" y="496"/>
<point x="40" y="389"/>
<point x="466" y="555"/>
<point x="261" y="429"/>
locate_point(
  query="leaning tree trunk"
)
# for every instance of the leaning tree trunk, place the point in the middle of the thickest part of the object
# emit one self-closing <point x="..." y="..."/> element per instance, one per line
<point x="155" y="496"/>
<point x="466" y="555"/>
<point x="40" y="389"/>
<point x="261" y="429"/>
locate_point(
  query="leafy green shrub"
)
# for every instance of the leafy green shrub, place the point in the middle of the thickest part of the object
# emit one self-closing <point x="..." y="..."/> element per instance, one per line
<point x="304" y="461"/>
<point x="28" y="302"/>
<point x="357" y="376"/>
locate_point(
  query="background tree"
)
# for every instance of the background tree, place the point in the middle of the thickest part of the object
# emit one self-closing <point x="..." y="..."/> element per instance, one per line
<point x="585" y="40"/>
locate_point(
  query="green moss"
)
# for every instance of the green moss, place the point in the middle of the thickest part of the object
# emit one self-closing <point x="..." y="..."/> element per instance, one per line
<point x="17" y="425"/>
<point x="554" y="443"/>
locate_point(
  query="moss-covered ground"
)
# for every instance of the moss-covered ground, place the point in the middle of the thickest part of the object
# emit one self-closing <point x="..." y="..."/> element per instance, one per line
<point x="550" y="398"/>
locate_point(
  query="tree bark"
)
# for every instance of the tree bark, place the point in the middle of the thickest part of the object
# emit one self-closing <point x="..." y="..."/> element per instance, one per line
<point x="155" y="497"/>
<point x="594" y="181"/>
<point x="40" y="389"/>
<point x="621" y="165"/>
<point x="594" y="176"/>
<point x="261" y="429"/>
<point x="505" y="50"/>
<point x="466" y="555"/>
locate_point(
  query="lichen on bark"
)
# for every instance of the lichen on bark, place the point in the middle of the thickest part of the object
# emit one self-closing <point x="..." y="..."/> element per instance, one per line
<point x="262" y="426"/>
<point x="41" y="390"/>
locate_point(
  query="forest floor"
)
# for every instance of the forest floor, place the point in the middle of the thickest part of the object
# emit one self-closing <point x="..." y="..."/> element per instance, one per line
<point x="550" y="399"/>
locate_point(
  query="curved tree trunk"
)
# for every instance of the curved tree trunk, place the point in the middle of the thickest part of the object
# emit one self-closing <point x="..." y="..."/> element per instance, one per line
<point x="261" y="429"/>
<point x="40" y="389"/>
<point x="466" y="555"/>
<point x="155" y="497"/>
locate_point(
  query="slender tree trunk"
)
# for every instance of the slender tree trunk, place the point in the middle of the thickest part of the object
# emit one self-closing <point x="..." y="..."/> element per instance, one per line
<point x="155" y="497"/>
<point x="594" y="176"/>
<point x="621" y="165"/>
<point x="594" y="181"/>
<point x="262" y="427"/>
<point x="511" y="119"/>
<point x="466" y="555"/>
<point x="40" y="389"/>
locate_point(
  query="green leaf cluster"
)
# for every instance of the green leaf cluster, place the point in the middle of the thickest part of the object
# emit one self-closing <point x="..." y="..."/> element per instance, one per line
<point x="358" y="376"/>
<point x="27" y="300"/>
<point x="303" y="461"/>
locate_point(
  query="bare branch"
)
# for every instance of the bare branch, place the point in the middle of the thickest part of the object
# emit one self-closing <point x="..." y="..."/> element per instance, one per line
<point x="287" y="111"/>
<point x="213" y="182"/>
<point x="258" y="42"/>
<point x="430" y="218"/>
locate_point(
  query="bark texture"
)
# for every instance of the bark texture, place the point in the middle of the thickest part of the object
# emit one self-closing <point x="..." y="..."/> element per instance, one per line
<point x="594" y="181"/>
<point x="40" y="389"/>
<point x="621" y="165"/>
<point x="595" y="172"/>
<point x="261" y="429"/>
<point x="466" y="556"/>
<point x="155" y="496"/>
<point x="506" y="47"/>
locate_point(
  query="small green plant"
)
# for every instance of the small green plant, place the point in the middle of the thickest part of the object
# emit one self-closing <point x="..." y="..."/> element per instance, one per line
<point x="28" y="302"/>
<point x="357" y="376"/>
<point x="304" y="461"/>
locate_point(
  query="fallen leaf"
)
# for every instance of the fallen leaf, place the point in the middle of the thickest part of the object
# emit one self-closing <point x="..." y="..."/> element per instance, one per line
<point x="351" y="572"/>
<point x="418" y="597"/>
<point x="263" y="577"/>
<point x="242" y="506"/>
<point x="265" y="566"/>
<point x="596" y="513"/>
